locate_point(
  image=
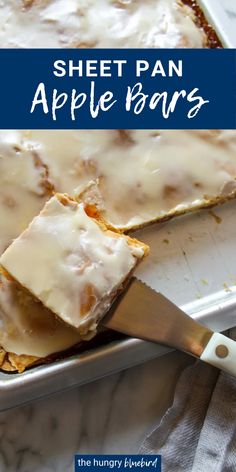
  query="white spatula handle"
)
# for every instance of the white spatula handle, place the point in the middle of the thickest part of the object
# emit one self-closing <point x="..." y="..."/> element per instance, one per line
<point x="221" y="352"/>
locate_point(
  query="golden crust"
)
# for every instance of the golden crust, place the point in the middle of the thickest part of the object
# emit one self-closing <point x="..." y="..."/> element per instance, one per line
<point x="204" y="205"/>
<point x="20" y="363"/>
<point x="91" y="192"/>
<point x="212" y="40"/>
<point x="2" y="356"/>
<point x="10" y="362"/>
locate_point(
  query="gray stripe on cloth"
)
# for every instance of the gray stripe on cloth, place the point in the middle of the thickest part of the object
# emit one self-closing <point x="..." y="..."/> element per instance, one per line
<point x="198" y="433"/>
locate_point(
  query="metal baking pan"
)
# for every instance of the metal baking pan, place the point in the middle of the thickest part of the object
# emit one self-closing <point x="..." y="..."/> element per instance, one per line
<point x="192" y="261"/>
<point x="217" y="17"/>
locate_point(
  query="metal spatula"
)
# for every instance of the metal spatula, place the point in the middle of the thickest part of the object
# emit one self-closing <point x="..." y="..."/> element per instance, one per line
<point x="143" y="313"/>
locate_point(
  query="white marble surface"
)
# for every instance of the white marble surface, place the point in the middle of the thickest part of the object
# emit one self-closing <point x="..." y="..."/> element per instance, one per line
<point x="108" y="416"/>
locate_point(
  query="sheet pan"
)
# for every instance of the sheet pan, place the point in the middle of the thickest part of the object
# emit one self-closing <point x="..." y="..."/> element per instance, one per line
<point x="193" y="262"/>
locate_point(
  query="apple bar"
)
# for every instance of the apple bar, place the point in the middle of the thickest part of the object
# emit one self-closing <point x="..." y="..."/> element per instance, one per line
<point x="104" y="24"/>
<point x="71" y="261"/>
<point x="29" y="332"/>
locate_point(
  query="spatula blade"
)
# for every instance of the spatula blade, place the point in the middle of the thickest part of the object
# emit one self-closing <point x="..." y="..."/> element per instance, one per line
<point x="143" y="313"/>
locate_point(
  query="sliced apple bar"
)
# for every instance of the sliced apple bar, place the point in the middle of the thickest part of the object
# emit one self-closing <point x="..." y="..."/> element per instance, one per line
<point x="29" y="332"/>
<point x="72" y="262"/>
<point x="102" y="24"/>
<point x="24" y="185"/>
<point x="137" y="177"/>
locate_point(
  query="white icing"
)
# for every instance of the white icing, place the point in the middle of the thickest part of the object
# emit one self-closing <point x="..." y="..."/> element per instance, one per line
<point x="23" y="186"/>
<point x="70" y="263"/>
<point x="98" y="23"/>
<point x="134" y="175"/>
<point x="27" y="327"/>
<point x="141" y="175"/>
<point x="133" y="171"/>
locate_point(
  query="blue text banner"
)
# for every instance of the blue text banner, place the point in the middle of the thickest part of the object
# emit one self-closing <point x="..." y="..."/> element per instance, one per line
<point x="118" y="89"/>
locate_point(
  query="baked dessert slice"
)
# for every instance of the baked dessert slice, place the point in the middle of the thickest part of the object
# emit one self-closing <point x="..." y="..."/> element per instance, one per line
<point x="24" y="186"/>
<point x="162" y="174"/>
<point x="29" y="332"/>
<point x="72" y="262"/>
<point x="137" y="177"/>
<point x="103" y="23"/>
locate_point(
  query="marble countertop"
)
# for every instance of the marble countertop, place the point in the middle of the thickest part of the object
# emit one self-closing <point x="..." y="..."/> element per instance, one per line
<point x="112" y="415"/>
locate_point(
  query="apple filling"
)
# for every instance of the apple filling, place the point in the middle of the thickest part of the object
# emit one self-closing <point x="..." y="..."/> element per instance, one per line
<point x="72" y="262"/>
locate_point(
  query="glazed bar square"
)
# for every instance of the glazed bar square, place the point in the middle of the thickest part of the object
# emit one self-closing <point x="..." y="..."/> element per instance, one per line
<point x="72" y="262"/>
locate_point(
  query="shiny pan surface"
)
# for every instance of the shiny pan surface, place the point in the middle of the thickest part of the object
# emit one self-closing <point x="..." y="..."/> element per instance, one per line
<point x="193" y="262"/>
